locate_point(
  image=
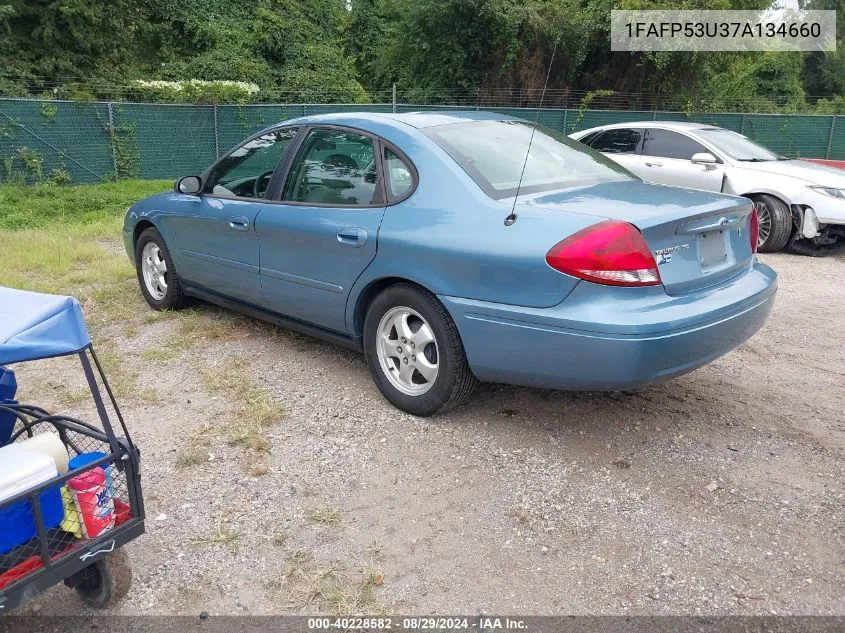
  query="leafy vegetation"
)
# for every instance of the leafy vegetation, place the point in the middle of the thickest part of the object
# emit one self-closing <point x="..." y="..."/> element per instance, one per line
<point x="238" y="51"/>
<point x="82" y="49"/>
<point x="98" y="207"/>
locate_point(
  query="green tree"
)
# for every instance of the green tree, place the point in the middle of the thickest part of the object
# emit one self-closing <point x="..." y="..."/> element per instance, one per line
<point x="47" y="44"/>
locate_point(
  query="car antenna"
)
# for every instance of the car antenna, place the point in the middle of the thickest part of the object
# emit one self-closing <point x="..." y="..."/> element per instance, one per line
<point x="512" y="216"/>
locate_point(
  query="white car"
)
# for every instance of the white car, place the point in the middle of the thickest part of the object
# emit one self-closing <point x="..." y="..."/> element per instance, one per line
<point x="800" y="204"/>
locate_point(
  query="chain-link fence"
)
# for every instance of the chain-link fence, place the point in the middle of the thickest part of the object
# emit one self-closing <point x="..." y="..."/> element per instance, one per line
<point x="66" y="141"/>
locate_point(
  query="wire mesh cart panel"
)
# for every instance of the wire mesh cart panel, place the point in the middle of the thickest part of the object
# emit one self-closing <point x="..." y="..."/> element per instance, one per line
<point x="70" y="493"/>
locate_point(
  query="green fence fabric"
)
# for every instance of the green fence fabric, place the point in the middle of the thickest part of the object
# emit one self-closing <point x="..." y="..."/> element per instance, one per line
<point x="837" y="139"/>
<point x="38" y="137"/>
<point x="796" y="135"/>
<point x="154" y="142"/>
<point x="88" y="142"/>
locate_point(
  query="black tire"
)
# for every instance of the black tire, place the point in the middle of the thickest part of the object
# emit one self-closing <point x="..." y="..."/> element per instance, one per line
<point x="106" y="581"/>
<point x="174" y="298"/>
<point x="780" y="222"/>
<point x="454" y="381"/>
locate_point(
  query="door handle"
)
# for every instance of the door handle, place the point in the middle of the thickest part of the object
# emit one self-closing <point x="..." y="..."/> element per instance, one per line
<point x="654" y="164"/>
<point x="239" y="223"/>
<point x="352" y="236"/>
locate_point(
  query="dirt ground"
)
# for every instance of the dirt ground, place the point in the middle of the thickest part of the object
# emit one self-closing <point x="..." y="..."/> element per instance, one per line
<point x="720" y="492"/>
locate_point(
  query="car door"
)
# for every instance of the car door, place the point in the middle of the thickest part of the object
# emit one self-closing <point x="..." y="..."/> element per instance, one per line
<point x="322" y="233"/>
<point x="621" y="145"/>
<point x="216" y="237"/>
<point x="667" y="159"/>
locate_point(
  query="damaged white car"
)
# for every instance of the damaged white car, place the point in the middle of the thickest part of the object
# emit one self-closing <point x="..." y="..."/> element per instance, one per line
<point x="801" y="205"/>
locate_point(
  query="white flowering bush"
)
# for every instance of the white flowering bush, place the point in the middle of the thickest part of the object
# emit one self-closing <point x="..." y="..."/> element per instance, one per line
<point x="191" y="91"/>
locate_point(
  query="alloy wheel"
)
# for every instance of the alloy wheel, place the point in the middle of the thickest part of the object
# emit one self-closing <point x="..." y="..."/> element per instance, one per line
<point x="407" y="350"/>
<point x="764" y="219"/>
<point x="154" y="270"/>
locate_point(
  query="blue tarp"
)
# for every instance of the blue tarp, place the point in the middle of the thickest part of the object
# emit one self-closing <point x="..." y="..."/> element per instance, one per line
<point x="34" y="326"/>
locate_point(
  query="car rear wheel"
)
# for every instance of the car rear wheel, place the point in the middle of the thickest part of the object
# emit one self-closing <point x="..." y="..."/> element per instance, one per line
<point x="156" y="273"/>
<point x="414" y="351"/>
<point x="775" y="223"/>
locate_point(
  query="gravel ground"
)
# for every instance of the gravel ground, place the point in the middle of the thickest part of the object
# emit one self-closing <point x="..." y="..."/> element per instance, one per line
<point x="719" y="492"/>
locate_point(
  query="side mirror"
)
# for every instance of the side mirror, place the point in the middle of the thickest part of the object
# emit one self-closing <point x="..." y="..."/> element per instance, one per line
<point x="703" y="158"/>
<point x="190" y="185"/>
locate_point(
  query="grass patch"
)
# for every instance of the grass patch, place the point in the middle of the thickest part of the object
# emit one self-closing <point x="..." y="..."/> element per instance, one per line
<point x="257" y="409"/>
<point x="301" y="556"/>
<point x="62" y="258"/>
<point x="190" y="457"/>
<point x="28" y="207"/>
<point x="59" y="392"/>
<point x="202" y="436"/>
<point x="151" y="318"/>
<point x="221" y="535"/>
<point x="366" y="595"/>
<point x="65" y="260"/>
<point x="197" y="450"/>
<point x="67" y="240"/>
<point x="159" y="354"/>
<point x="280" y="538"/>
<point x="206" y="324"/>
<point x="322" y="516"/>
<point x="67" y="395"/>
<point x="305" y="583"/>
<point x="122" y="379"/>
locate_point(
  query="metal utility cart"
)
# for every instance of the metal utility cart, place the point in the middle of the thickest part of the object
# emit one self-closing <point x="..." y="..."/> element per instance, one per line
<point x="70" y="492"/>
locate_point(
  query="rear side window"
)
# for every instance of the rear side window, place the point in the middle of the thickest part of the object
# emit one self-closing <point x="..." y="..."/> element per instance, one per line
<point x="400" y="176"/>
<point x="333" y="167"/>
<point x="620" y="141"/>
<point x="667" y="144"/>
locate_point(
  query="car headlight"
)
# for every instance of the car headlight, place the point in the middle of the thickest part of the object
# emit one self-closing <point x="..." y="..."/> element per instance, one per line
<point x="833" y="192"/>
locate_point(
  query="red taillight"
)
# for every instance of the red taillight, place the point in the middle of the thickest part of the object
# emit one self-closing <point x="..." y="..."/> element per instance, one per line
<point x="755" y="228"/>
<point x="611" y="252"/>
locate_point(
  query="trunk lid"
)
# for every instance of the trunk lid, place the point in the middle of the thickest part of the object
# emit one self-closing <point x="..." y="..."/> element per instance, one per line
<point x="698" y="238"/>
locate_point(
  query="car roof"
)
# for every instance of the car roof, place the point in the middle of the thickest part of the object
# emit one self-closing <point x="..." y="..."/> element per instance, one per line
<point x="414" y="119"/>
<point x="665" y="125"/>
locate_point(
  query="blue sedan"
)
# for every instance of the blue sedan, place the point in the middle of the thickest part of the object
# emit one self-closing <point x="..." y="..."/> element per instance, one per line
<point x="457" y="247"/>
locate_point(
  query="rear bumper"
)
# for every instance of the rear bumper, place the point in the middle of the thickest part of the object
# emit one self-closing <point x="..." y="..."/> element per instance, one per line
<point x="604" y="338"/>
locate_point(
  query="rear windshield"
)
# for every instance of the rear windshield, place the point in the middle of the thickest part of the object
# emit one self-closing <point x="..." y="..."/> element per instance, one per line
<point x="493" y="154"/>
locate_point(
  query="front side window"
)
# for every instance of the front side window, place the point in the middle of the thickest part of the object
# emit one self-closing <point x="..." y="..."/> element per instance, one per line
<point x="738" y="146"/>
<point x="333" y="167"/>
<point x="617" y="141"/>
<point x="246" y="171"/>
<point x="400" y="178"/>
<point x="493" y="153"/>
<point x="667" y="144"/>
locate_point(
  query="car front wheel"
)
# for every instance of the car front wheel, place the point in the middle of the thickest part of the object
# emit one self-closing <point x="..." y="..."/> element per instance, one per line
<point x="775" y="222"/>
<point x="414" y="351"/>
<point x="157" y="274"/>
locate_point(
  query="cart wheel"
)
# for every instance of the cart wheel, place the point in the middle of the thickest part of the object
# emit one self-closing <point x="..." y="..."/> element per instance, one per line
<point x="106" y="581"/>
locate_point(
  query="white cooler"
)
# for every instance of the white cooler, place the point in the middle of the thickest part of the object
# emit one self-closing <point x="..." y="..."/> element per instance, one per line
<point x="21" y="470"/>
